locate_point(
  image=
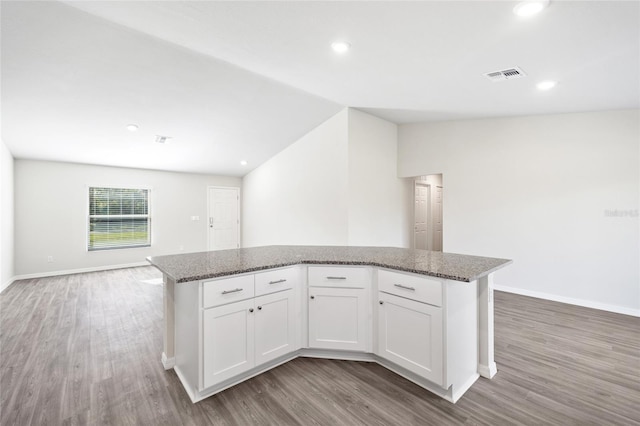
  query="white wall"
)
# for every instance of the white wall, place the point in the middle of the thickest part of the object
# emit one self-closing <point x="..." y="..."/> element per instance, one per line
<point x="299" y="196"/>
<point x="379" y="213"/>
<point x="51" y="214"/>
<point x="6" y="217"/>
<point x="337" y="185"/>
<point x="537" y="190"/>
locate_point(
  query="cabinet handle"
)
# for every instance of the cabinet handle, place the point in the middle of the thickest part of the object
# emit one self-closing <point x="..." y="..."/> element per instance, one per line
<point x="259" y="308"/>
<point x="405" y="287"/>
<point x="336" y="278"/>
<point x="232" y="291"/>
<point x="250" y="309"/>
<point x="277" y="282"/>
<point x="313" y="297"/>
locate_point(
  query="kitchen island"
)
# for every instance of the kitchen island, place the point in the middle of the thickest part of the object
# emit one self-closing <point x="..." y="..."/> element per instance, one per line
<point x="232" y="314"/>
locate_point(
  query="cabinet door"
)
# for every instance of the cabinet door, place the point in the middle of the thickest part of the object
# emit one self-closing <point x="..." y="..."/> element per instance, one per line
<point x="228" y="344"/>
<point x="338" y="318"/>
<point x="410" y="335"/>
<point x="275" y="327"/>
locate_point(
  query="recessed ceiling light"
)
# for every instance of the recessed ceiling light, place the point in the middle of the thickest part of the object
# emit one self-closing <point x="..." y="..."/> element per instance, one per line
<point x="132" y="127"/>
<point x="243" y="162"/>
<point x="546" y="85"/>
<point x="529" y="8"/>
<point x="340" y="46"/>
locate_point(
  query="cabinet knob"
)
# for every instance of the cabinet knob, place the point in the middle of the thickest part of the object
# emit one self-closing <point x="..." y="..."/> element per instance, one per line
<point x="313" y="297"/>
<point x="250" y="309"/>
<point x="259" y="308"/>
<point x="381" y="302"/>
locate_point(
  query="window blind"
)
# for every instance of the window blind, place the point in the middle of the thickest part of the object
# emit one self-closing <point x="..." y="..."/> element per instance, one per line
<point x="118" y="218"/>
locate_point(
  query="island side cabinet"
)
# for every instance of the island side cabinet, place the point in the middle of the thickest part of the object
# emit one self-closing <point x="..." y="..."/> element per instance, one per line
<point x="245" y="322"/>
<point x="429" y="327"/>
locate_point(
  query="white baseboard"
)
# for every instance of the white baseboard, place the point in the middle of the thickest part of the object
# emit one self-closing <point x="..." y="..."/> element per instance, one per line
<point x="78" y="271"/>
<point x="168" y="363"/>
<point x="488" y="371"/>
<point x="6" y="285"/>
<point x="570" y="300"/>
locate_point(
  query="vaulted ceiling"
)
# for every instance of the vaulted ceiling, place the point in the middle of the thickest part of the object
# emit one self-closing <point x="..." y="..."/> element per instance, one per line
<point x="231" y="81"/>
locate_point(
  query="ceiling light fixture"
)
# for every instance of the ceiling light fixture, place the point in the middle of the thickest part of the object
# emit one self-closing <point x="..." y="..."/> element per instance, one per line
<point x="243" y="162"/>
<point x="340" y="46"/>
<point x="526" y="9"/>
<point x="546" y="85"/>
<point x="132" y="127"/>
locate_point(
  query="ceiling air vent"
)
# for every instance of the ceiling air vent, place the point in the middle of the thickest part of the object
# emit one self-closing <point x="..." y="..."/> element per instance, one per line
<point x="506" y="74"/>
<point x="163" y="139"/>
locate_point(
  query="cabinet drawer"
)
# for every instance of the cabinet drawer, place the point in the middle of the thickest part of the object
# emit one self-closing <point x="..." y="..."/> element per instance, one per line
<point x="338" y="276"/>
<point x="227" y="290"/>
<point x="412" y="287"/>
<point x="272" y="281"/>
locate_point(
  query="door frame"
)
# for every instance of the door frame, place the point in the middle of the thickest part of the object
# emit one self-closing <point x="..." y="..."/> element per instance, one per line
<point x="209" y="188"/>
<point x="441" y="212"/>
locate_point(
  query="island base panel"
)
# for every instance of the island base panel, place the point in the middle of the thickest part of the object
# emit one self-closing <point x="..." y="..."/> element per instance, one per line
<point x="486" y="363"/>
<point x="168" y="353"/>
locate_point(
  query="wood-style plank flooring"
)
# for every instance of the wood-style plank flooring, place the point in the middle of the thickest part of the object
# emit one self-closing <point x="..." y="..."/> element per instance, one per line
<point x="85" y="349"/>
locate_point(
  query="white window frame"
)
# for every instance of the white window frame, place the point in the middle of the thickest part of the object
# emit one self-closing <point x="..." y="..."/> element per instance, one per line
<point x="89" y="216"/>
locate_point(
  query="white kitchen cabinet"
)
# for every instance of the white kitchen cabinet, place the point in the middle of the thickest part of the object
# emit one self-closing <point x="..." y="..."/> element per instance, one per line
<point x="240" y="331"/>
<point x="338" y="318"/>
<point x="428" y="328"/>
<point x="274" y="326"/>
<point x="243" y="335"/>
<point x="410" y="335"/>
<point x="339" y="308"/>
<point x="228" y="341"/>
<point x="230" y="329"/>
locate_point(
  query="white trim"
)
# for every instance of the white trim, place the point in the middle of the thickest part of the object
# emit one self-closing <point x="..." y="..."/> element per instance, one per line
<point x="199" y="395"/>
<point x="459" y="391"/>
<point x="337" y="354"/>
<point x="192" y="393"/>
<point x="488" y="371"/>
<point x="78" y="271"/>
<point x="6" y="285"/>
<point x="168" y="363"/>
<point x="570" y="300"/>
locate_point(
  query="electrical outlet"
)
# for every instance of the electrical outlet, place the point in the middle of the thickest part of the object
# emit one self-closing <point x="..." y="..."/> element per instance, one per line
<point x="49" y="259"/>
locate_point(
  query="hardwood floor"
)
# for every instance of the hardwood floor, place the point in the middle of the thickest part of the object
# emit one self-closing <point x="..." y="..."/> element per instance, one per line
<point x="85" y="349"/>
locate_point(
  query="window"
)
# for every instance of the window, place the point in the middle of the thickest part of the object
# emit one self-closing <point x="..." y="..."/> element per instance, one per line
<point x="118" y="218"/>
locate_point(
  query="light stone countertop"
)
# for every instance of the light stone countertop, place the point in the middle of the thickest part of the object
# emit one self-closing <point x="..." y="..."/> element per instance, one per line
<point x="212" y="264"/>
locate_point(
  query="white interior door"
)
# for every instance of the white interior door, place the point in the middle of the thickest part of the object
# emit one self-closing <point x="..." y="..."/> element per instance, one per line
<point x="224" y="218"/>
<point x="420" y="226"/>
<point x="437" y="219"/>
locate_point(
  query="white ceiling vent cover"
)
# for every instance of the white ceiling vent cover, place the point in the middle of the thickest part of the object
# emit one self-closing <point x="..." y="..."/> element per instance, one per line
<point x="506" y="74"/>
<point x="163" y="139"/>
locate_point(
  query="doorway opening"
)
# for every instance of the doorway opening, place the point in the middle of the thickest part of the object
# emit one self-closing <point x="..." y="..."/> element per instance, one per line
<point x="427" y="212"/>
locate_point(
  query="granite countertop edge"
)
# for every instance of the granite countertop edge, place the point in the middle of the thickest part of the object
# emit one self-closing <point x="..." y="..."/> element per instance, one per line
<point x="311" y="261"/>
